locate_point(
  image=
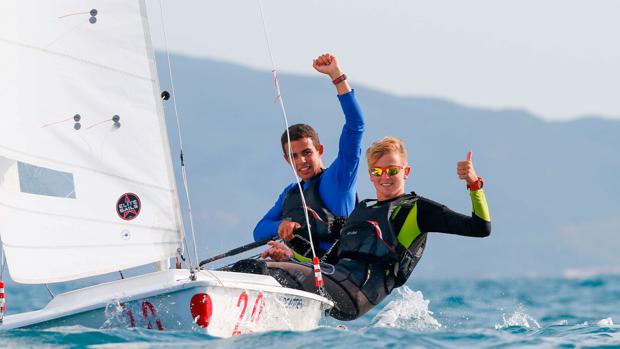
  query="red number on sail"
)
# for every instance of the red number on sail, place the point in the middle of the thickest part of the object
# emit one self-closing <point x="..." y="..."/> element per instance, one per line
<point x="146" y="307"/>
<point x="201" y="308"/>
<point x="243" y="297"/>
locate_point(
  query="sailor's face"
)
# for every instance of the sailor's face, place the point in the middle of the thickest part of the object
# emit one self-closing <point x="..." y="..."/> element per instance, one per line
<point x="306" y="157"/>
<point x="389" y="187"/>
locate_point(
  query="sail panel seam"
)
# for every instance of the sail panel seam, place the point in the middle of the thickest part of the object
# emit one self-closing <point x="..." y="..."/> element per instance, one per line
<point x="74" y="58"/>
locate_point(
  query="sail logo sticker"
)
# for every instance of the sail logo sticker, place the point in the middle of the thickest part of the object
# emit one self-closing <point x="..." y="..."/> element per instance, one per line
<point x="128" y="206"/>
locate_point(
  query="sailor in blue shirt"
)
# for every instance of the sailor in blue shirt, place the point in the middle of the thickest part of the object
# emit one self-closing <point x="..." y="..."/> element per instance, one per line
<point x="329" y="191"/>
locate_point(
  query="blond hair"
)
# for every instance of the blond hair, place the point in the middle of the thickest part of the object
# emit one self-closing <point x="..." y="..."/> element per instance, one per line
<point x="384" y="146"/>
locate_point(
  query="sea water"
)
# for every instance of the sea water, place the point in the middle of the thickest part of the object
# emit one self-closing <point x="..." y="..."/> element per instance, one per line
<point x="503" y="313"/>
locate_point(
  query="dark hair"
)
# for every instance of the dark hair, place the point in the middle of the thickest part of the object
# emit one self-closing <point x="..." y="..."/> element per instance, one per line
<point x="300" y="131"/>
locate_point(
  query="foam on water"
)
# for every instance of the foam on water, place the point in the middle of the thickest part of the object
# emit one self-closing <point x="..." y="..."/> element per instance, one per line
<point x="69" y="329"/>
<point x="518" y="318"/>
<point x="606" y="322"/>
<point x="115" y="315"/>
<point x="408" y="311"/>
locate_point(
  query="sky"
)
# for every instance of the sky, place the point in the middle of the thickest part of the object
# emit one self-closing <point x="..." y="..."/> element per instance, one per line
<point x="559" y="59"/>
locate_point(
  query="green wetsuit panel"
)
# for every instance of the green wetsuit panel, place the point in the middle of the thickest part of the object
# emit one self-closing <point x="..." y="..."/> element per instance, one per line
<point x="479" y="203"/>
<point x="300" y="258"/>
<point x="410" y="229"/>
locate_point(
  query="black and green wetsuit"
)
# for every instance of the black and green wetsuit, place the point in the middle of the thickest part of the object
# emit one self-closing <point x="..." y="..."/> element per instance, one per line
<point x="372" y="259"/>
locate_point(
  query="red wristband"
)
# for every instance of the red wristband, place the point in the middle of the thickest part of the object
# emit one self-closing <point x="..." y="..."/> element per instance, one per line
<point x="477" y="185"/>
<point x="339" y="79"/>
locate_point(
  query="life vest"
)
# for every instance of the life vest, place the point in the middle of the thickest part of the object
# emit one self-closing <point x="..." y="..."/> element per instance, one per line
<point x="325" y="226"/>
<point x="370" y="235"/>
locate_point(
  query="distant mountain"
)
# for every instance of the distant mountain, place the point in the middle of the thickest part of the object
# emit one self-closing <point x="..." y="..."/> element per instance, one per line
<point x="552" y="186"/>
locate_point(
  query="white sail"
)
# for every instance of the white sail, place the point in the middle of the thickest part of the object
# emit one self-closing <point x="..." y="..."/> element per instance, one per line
<point x="60" y="186"/>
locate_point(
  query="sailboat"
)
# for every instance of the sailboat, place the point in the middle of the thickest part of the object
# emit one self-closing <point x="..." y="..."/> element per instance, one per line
<point x="87" y="186"/>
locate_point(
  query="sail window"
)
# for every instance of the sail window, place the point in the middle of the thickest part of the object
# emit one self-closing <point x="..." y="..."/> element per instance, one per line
<point x="44" y="181"/>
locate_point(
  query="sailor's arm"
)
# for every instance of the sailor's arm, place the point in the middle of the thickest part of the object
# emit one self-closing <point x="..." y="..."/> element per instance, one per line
<point x="435" y="217"/>
<point x="338" y="185"/>
<point x="481" y="219"/>
<point x="328" y="64"/>
<point x="480" y="208"/>
<point x="267" y="227"/>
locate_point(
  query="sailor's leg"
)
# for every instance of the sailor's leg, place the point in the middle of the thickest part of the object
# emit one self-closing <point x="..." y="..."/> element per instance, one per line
<point x="345" y="294"/>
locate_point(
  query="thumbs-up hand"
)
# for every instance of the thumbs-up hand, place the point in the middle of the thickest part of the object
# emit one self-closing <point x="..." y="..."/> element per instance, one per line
<point x="465" y="170"/>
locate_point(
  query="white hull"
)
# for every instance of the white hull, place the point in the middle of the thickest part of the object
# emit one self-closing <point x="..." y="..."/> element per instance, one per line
<point x="217" y="303"/>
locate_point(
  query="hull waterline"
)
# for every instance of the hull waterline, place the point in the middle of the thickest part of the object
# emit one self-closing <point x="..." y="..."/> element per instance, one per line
<point x="217" y="303"/>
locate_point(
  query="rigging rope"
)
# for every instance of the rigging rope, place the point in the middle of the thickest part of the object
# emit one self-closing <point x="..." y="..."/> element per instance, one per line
<point x="315" y="261"/>
<point x="3" y="260"/>
<point x="176" y="113"/>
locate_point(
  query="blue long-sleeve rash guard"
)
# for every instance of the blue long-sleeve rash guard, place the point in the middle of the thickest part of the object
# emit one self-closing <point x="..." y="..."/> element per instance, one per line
<point x="338" y="182"/>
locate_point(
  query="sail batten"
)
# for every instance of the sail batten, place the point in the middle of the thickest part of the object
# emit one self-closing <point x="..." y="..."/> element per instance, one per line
<point x="86" y="181"/>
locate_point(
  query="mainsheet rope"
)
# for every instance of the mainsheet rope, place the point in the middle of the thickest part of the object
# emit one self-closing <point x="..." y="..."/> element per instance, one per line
<point x="315" y="261"/>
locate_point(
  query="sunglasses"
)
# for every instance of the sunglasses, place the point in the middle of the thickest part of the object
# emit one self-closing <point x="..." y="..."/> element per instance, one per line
<point x="390" y="170"/>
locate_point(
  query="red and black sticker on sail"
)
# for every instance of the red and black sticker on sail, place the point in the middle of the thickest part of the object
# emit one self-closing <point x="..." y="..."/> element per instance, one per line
<point x="128" y="206"/>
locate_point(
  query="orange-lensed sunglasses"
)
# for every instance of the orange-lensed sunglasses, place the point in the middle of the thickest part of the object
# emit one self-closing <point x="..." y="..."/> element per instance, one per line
<point x="390" y="170"/>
